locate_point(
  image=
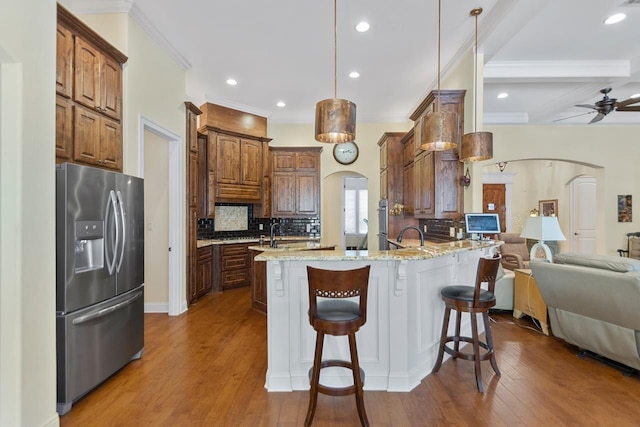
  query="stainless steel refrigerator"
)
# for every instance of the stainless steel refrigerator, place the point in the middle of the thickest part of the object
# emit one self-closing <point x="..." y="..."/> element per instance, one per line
<point x="383" y="224"/>
<point x="99" y="277"/>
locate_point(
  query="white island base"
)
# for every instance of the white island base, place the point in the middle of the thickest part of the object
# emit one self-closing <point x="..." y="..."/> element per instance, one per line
<point x="398" y="345"/>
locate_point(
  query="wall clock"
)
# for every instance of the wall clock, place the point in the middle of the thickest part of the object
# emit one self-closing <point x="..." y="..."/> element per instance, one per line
<point x="345" y="153"/>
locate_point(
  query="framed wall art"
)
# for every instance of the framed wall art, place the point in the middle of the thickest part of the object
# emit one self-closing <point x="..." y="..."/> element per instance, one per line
<point x="548" y="207"/>
<point x="624" y="208"/>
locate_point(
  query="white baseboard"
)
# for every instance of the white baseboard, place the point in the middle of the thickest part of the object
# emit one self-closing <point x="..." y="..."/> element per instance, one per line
<point x="156" y="307"/>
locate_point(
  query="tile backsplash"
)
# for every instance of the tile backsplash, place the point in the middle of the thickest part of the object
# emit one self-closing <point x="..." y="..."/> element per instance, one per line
<point x="231" y="218"/>
<point x="210" y="228"/>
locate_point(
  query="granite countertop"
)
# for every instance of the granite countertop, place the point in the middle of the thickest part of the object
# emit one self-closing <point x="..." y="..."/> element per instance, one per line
<point x="302" y="246"/>
<point x="209" y="242"/>
<point x="431" y="250"/>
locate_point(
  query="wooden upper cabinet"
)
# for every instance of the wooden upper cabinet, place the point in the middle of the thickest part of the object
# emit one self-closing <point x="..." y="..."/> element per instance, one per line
<point x="89" y="95"/>
<point x="250" y="162"/>
<point x="98" y="80"/>
<point x="64" y="129"/>
<point x="64" y="63"/>
<point x="228" y="159"/>
<point x="295" y="183"/>
<point x="438" y="193"/>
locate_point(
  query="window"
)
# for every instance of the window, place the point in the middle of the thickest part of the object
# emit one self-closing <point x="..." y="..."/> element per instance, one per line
<point x="356" y="197"/>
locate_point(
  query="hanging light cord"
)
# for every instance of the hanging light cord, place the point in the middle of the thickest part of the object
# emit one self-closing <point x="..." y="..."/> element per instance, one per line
<point x="335" y="49"/>
<point x="475" y="78"/>
<point x="439" y="12"/>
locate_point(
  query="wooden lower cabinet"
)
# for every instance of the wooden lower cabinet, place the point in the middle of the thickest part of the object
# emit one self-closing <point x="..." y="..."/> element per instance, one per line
<point x="258" y="283"/>
<point x="204" y="271"/>
<point x="235" y="266"/>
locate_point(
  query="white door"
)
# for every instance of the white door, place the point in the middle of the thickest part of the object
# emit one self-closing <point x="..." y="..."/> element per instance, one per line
<point x="583" y="218"/>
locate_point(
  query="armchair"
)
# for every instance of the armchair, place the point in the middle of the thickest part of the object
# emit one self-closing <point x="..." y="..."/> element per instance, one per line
<point x="514" y="251"/>
<point x="633" y="246"/>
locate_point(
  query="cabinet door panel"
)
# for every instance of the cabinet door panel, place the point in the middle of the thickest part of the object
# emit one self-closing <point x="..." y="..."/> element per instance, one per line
<point x="110" y="144"/>
<point x="307" y="162"/>
<point x="64" y="62"/>
<point x="64" y="128"/>
<point x="283" y="162"/>
<point x="193" y="179"/>
<point x="251" y="162"/>
<point x="283" y="197"/>
<point x="228" y="159"/>
<point x="111" y="88"/>
<point x="307" y="194"/>
<point x="87" y="75"/>
<point x="408" y="191"/>
<point x="86" y="147"/>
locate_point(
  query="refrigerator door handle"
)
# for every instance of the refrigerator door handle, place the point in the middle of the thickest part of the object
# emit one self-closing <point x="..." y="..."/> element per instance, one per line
<point x="105" y="311"/>
<point x="124" y="230"/>
<point x="111" y="263"/>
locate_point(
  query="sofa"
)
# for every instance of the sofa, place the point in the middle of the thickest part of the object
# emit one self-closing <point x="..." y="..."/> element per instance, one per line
<point x="504" y="289"/>
<point x="593" y="303"/>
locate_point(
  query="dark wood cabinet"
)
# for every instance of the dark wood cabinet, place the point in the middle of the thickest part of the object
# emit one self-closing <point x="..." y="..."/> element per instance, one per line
<point x="98" y="139"/>
<point x="438" y="193"/>
<point x="204" y="271"/>
<point x="258" y="283"/>
<point x="295" y="185"/>
<point x="192" y="259"/>
<point x="235" y="265"/>
<point x="89" y="96"/>
<point x="408" y="180"/>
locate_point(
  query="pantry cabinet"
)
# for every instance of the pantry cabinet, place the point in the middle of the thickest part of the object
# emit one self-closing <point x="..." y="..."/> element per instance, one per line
<point x="438" y="193"/>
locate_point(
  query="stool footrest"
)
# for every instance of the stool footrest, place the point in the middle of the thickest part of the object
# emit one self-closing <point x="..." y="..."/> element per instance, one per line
<point x="467" y="356"/>
<point x="336" y="391"/>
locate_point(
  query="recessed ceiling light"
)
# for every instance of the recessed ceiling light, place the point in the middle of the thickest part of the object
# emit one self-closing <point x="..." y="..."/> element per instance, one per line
<point x="232" y="82"/>
<point x="635" y="95"/>
<point x="281" y="104"/>
<point x="354" y="74"/>
<point x="614" y="19"/>
<point x="362" y="27"/>
<point x="502" y="95"/>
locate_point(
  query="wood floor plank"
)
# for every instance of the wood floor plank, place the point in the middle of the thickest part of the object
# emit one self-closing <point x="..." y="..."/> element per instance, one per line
<point x="207" y="368"/>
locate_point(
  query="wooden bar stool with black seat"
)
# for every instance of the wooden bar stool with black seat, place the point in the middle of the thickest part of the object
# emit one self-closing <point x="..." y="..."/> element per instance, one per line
<point x="473" y="300"/>
<point x="334" y="315"/>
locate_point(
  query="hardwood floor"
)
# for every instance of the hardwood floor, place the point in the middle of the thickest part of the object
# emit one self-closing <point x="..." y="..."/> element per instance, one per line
<point x="207" y="368"/>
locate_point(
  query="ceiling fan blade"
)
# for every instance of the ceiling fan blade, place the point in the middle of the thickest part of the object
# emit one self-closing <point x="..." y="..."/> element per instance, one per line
<point x="571" y="117"/>
<point x="630" y="108"/>
<point x="593" y="107"/>
<point x="597" y="118"/>
<point x="627" y="102"/>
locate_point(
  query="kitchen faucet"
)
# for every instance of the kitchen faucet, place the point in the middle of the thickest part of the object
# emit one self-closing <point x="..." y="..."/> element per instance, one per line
<point x="272" y="240"/>
<point x="411" y="227"/>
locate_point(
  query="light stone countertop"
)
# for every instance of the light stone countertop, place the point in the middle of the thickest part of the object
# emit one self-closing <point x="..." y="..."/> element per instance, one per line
<point x="431" y="250"/>
<point x="208" y="242"/>
<point x="301" y="246"/>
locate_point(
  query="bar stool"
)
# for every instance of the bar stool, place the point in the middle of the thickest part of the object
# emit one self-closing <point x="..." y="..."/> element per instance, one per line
<point x="473" y="300"/>
<point x="333" y="315"/>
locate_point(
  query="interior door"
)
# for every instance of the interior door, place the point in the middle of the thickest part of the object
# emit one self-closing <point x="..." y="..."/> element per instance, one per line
<point x="493" y="201"/>
<point x="583" y="220"/>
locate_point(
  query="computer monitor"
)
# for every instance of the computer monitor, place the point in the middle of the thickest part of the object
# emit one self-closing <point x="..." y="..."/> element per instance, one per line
<point x="482" y="223"/>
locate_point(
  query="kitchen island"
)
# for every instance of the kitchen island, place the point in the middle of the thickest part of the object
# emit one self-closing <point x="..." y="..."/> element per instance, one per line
<point x="398" y="345"/>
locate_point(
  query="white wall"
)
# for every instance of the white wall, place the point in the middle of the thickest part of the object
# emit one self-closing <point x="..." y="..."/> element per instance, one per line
<point x="367" y="165"/>
<point x="154" y="88"/>
<point x="611" y="150"/>
<point x="27" y="223"/>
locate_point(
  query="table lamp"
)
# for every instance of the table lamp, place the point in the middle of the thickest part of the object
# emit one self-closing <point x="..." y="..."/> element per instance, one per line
<point x="542" y="228"/>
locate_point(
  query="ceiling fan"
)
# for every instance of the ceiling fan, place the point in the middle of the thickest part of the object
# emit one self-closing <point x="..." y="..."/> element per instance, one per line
<point x="607" y="105"/>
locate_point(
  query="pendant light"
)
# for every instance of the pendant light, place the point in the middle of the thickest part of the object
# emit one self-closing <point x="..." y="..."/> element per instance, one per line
<point x="335" y="118"/>
<point x="476" y="145"/>
<point x="439" y="129"/>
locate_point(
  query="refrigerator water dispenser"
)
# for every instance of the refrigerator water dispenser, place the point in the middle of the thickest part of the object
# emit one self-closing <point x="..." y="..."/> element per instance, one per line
<point x="89" y="249"/>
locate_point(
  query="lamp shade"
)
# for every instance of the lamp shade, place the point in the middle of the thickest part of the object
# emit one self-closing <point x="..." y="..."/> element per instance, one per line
<point x="439" y="131"/>
<point x="335" y="121"/>
<point x="542" y="228"/>
<point x="476" y="146"/>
